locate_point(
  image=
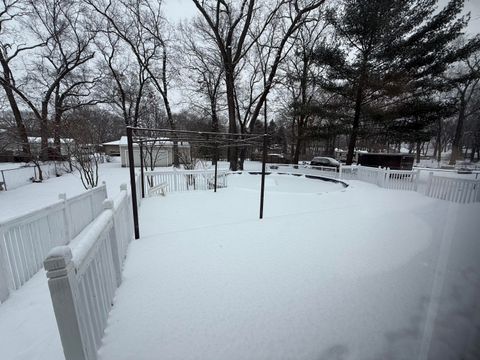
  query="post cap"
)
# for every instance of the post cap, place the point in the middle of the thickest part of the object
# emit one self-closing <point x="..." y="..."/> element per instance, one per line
<point x="108" y="204"/>
<point x="58" y="258"/>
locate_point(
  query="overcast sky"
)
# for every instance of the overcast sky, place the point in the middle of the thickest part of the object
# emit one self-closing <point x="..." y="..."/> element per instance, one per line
<point x="183" y="9"/>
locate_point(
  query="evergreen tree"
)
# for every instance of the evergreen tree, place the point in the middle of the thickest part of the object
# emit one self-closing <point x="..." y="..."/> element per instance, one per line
<point x="388" y="52"/>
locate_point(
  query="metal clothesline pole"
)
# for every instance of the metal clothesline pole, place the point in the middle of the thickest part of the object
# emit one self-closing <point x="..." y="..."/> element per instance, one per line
<point x="133" y="187"/>
<point x="201" y="138"/>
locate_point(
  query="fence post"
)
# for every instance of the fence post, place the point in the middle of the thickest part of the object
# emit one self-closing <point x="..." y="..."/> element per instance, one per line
<point x="108" y="205"/>
<point x="380" y="176"/>
<point x="417" y="176"/>
<point x="175" y="179"/>
<point x="4" y="182"/>
<point x="63" y="197"/>
<point x="429" y="183"/>
<point x="4" y="273"/>
<point x="128" y="219"/>
<point x="64" y="292"/>
<point x="340" y="171"/>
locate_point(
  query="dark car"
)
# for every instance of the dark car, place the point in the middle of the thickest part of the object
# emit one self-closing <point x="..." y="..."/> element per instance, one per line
<point x="271" y="158"/>
<point x="325" y="161"/>
<point x="277" y="159"/>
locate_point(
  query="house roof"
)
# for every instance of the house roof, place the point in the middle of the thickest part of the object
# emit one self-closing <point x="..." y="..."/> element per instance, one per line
<point x="156" y="142"/>
<point x="116" y="142"/>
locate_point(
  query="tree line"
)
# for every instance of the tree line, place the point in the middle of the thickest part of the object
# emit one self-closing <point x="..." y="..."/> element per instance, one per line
<point x="373" y="74"/>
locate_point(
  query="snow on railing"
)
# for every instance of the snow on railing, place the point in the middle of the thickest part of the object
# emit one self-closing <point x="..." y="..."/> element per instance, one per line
<point x="84" y="276"/>
<point x="453" y="189"/>
<point x="439" y="187"/>
<point x="26" y="240"/>
<point x="185" y="180"/>
<point x="83" y="208"/>
<point x="329" y="171"/>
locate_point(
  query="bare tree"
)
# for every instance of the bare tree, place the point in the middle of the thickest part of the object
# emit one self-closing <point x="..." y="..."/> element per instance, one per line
<point x="466" y="80"/>
<point x="128" y="79"/>
<point x="140" y="24"/>
<point x="75" y="91"/>
<point x="204" y="68"/>
<point x="232" y="28"/>
<point x="300" y="79"/>
<point x="11" y="47"/>
<point x="59" y="25"/>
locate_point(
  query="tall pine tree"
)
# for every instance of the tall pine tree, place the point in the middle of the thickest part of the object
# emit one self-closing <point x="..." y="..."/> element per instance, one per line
<point x="390" y="51"/>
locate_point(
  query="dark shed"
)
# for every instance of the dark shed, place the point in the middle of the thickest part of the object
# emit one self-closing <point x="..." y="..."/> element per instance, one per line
<point x="392" y="161"/>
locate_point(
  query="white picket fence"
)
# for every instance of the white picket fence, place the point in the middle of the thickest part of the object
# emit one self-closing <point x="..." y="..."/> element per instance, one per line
<point x="26" y="240"/>
<point x="462" y="191"/>
<point x="439" y="187"/>
<point x="84" y="276"/>
<point x="328" y="171"/>
<point x="185" y="180"/>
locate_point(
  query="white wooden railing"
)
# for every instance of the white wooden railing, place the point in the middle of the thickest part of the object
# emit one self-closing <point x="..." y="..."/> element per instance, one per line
<point x="26" y="240"/>
<point x="453" y="189"/>
<point x="138" y="189"/>
<point x="186" y="180"/>
<point x="84" y="276"/>
<point x="439" y="187"/>
<point x="401" y="179"/>
<point x="328" y="171"/>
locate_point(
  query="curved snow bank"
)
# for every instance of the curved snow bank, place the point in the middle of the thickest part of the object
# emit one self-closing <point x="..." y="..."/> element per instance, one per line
<point x="284" y="183"/>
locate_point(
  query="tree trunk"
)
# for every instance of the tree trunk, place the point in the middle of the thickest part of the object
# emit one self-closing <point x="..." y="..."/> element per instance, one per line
<point x="44" y="132"/>
<point x="299" y="142"/>
<point x="57" y="123"/>
<point x="21" y="130"/>
<point x="356" y="116"/>
<point x="355" y="126"/>
<point x="232" y="122"/>
<point x="457" y="140"/>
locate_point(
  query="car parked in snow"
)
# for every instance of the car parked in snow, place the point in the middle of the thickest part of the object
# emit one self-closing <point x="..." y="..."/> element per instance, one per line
<point x="325" y="161"/>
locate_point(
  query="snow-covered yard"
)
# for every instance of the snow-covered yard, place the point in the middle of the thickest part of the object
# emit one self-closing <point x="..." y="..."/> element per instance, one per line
<point x="36" y="195"/>
<point x="329" y="273"/>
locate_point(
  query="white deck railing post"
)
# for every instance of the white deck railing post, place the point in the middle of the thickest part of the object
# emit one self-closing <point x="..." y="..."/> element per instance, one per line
<point x="429" y="183"/>
<point x="416" y="180"/>
<point x="64" y="292"/>
<point x="66" y="216"/>
<point x="4" y="272"/>
<point x="108" y="205"/>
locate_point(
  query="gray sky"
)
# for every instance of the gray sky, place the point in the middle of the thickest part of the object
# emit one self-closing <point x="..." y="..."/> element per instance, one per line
<point x="183" y="9"/>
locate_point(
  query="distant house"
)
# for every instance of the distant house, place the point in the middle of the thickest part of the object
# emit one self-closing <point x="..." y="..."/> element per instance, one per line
<point x="158" y="152"/>
<point x="112" y="148"/>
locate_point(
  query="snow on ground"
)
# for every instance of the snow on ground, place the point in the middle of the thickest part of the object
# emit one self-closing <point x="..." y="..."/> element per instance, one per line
<point x="28" y="330"/>
<point x="328" y="274"/>
<point x="37" y="195"/>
